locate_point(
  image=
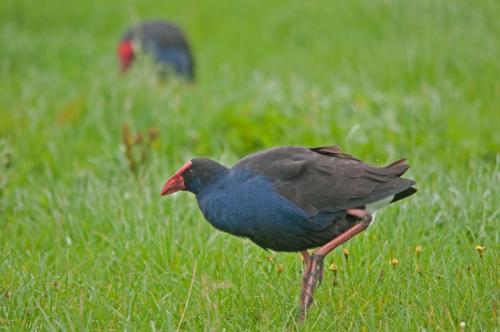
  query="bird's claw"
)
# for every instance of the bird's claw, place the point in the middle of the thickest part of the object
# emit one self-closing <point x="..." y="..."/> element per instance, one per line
<point x="318" y="272"/>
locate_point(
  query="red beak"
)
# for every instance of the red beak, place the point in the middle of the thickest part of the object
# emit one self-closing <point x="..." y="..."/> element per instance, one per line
<point x="176" y="182"/>
<point x="126" y="54"/>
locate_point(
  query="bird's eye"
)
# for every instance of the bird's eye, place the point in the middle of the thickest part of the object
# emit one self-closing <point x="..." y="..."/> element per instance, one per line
<point x="189" y="171"/>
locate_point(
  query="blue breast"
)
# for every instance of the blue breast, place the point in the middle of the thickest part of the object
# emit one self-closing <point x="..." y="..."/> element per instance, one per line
<point x="173" y="56"/>
<point x="247" y="205"/>
<point x="177" y="58"/>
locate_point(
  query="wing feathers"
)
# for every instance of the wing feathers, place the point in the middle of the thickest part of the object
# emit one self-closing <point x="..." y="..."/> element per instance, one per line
<point x="326" y="180"/>
<point x="332" y="150"/>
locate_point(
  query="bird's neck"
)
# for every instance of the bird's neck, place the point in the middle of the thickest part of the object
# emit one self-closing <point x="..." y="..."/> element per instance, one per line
<point x="204" y="184"/>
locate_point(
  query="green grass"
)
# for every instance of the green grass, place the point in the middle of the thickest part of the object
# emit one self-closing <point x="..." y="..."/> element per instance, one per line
<point x="86" y="245"/>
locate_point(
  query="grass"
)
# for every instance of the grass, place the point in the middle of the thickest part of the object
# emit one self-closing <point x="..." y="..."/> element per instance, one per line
<point x="87" y="245"/>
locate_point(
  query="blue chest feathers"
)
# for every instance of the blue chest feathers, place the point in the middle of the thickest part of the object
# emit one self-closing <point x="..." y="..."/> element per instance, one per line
<point x="174" y="56"/>
<point x="246" y="205"/>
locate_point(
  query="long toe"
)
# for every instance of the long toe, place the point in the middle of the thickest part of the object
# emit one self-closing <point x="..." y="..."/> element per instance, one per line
<point x="319" y="272"/>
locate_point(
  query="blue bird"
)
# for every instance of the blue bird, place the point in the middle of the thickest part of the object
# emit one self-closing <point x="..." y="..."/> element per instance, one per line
<point x="163" y="41"/>
<point x="293" y="199"/>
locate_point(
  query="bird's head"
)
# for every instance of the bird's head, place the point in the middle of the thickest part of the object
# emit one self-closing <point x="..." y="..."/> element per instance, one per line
<point x="194" y="176"/>
<point x="125" y="53"/>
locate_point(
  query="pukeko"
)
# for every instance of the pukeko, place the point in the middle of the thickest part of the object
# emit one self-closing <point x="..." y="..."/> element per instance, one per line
<point x="293" y="199"/>
<point x="164" y="41"/>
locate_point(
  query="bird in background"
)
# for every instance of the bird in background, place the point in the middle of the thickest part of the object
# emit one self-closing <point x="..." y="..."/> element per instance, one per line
<point x="163" y="41"/>
<point x="293" y="199"/>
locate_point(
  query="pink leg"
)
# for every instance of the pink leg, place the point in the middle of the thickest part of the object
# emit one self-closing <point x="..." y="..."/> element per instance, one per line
<point x="314" y="270"/>
<point x="309" y="284"/>
<point x="307" y="270"/>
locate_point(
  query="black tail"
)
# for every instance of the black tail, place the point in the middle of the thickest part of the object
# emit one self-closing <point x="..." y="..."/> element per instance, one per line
<point x="405" y="193"/>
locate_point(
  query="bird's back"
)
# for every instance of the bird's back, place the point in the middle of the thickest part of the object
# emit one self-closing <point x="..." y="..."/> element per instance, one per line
<point x="325" y="180"/>
<point x="161" y="32"/>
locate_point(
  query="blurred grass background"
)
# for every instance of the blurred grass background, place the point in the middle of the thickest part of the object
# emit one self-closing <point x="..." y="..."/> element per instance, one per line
<point x="86" y="245"/>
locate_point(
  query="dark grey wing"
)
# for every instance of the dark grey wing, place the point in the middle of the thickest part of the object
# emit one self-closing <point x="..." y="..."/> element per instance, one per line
<point x="325" y="179"/>
<point x="164" y="33"/>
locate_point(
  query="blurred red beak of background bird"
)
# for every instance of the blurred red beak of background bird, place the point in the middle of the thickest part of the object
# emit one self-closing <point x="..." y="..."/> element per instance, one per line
<point x="176" y="182"/>
<point x="126" y="54"/>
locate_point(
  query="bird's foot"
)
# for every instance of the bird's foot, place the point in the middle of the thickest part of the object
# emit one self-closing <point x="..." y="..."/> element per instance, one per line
<point x="318" y="272"/>
<point x="313" y="275"/>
